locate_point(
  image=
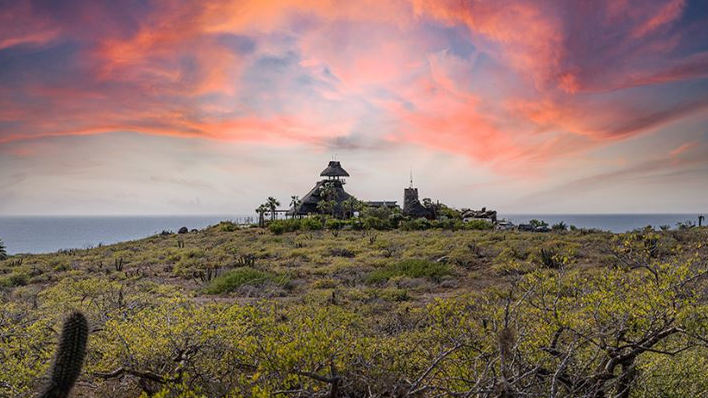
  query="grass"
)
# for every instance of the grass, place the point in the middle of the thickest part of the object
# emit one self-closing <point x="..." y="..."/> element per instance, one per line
<point x="412" y="268"/>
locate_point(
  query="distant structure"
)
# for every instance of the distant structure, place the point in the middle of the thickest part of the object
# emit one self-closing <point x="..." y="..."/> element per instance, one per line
<point x="334" y="171"/>
<point x="329" y="197"/>
<point x="389" y="204"/>
<point x="484" y="215"/>
<point x="412" y="206"/>
<point x="329" y="188"/>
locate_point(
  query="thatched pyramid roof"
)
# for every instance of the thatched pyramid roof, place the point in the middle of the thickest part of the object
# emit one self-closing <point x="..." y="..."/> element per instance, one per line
<point x="308" y="204"/>
<point x="334" y="169"/>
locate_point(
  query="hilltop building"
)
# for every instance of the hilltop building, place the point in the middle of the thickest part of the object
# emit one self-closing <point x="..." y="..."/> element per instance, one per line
<point x="329" y="188"/>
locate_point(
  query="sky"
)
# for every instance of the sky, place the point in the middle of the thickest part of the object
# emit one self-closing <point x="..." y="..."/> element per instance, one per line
<point x="209" y="107"/>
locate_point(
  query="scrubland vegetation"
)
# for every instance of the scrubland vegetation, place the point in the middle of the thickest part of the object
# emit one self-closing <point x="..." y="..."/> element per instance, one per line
<point x="229" y="312"/>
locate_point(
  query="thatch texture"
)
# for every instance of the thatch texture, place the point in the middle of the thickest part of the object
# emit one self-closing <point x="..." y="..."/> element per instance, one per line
<point x="334" y="169"/>
<point x="308" y="205"/>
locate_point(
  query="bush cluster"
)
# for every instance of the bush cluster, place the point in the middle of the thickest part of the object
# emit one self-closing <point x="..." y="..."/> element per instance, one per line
<point x="370" y="222"/>
<point x="411" y="268"/>
<point x="232" y="280"/>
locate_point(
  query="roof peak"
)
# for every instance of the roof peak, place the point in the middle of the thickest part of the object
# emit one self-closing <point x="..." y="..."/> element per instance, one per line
<point x="334" y="169"/>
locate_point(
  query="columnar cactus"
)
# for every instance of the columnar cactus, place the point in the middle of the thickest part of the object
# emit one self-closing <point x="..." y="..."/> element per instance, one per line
<point x="69" y="357"/>
<point x="3" y="252"/>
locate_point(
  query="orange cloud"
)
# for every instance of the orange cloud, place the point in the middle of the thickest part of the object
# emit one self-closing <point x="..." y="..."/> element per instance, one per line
<point x="509" y="84"/>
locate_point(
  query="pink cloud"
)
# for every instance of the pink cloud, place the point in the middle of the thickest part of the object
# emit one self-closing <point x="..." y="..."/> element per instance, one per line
<point x="666" y="14"/>
<point x="683" y="148"/>
<point x="429" y="72"/>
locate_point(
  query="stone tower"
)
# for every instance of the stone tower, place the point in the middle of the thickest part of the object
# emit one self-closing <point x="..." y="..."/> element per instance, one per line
<point x="412" y="206"/>
<point x="410" y="199"/>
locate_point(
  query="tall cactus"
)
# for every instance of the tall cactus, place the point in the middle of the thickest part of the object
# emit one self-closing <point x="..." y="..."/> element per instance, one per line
<point x="3" y="252"/>
<point x="69" y="357"/>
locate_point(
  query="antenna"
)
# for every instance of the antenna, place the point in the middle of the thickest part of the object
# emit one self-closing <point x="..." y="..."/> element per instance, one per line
<point x="411" y="178"/>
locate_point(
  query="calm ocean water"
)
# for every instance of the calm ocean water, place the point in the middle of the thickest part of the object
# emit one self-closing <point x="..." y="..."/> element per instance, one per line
<point x="48" y="234"/>
<point x="606" y="222"/>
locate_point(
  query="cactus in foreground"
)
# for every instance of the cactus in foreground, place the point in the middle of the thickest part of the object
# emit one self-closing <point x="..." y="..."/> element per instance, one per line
<point x="3" y="252"/>
<point x="69" y="357"/>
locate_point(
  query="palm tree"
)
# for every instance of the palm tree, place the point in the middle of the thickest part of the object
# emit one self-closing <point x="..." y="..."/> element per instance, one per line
<point x="326" y="206"/>
<point x="347" y="207"/>
<point x="3" y="252"/>
<point x="261" y="212"/>
<point x="328" y="193"/>
<point x="272" y="204"/>
<point x="295" y="203"/>
<point x="350" y="206"/>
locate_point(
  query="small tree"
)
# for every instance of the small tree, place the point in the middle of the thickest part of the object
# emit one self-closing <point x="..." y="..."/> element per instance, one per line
<point x="561" y="226"/>
<point x="328" y="193"/>
<point x="326" y="206"/>
<point x="3" y="252"/>
<point x="538" y="223"/>
<point x="261" y="210"/>
<point x="349" y="206"/>
<point x="272" y="205"/>
<point x="295" y="203"/>
<point x="428" y="203"/>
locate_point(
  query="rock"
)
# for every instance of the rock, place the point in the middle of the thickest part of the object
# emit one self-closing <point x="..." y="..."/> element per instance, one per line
<point x="183" y="230"/>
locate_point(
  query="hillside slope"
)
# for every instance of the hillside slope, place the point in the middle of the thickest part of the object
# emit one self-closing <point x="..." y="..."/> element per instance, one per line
<point x="244" y="312"/>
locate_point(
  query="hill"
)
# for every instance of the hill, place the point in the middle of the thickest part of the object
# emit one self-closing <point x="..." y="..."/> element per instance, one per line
<point x="244" y="312"/>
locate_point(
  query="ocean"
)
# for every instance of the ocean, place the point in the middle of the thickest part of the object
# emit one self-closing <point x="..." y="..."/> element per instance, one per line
<point x="39" y="234"/>
<point x="606" y="222"/>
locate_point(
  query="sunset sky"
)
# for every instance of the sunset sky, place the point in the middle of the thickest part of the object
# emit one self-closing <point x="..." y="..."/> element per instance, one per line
<point x="208" y="107"/>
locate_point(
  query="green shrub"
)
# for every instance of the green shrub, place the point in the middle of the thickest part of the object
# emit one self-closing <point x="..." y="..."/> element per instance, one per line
<point x="311" y="224"/>
<point x="277" y="227"/>
<point x="561" y="226"/>
<point x="448" y="223"/>
<point x="419" y="224"/>
<point x="377" y="223"/>
<point x="394" y="294"/>
<point x="341" y="252"/>
<point x="243" y="276"/>
<point x="412" y="268"/>
<point x="333" y="223"/>
<point x="479" y="225"/>
<point x="59" y="264"/>
<point x="228" y="226"/>
<point x="538" y="223"/>
<point x="14" y="279"/>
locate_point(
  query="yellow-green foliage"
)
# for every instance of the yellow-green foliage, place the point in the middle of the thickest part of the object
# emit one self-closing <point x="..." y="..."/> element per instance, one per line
<point x="412" y="268"/>
<point x="448" y="321"/>
<point x="243" y="276"/>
